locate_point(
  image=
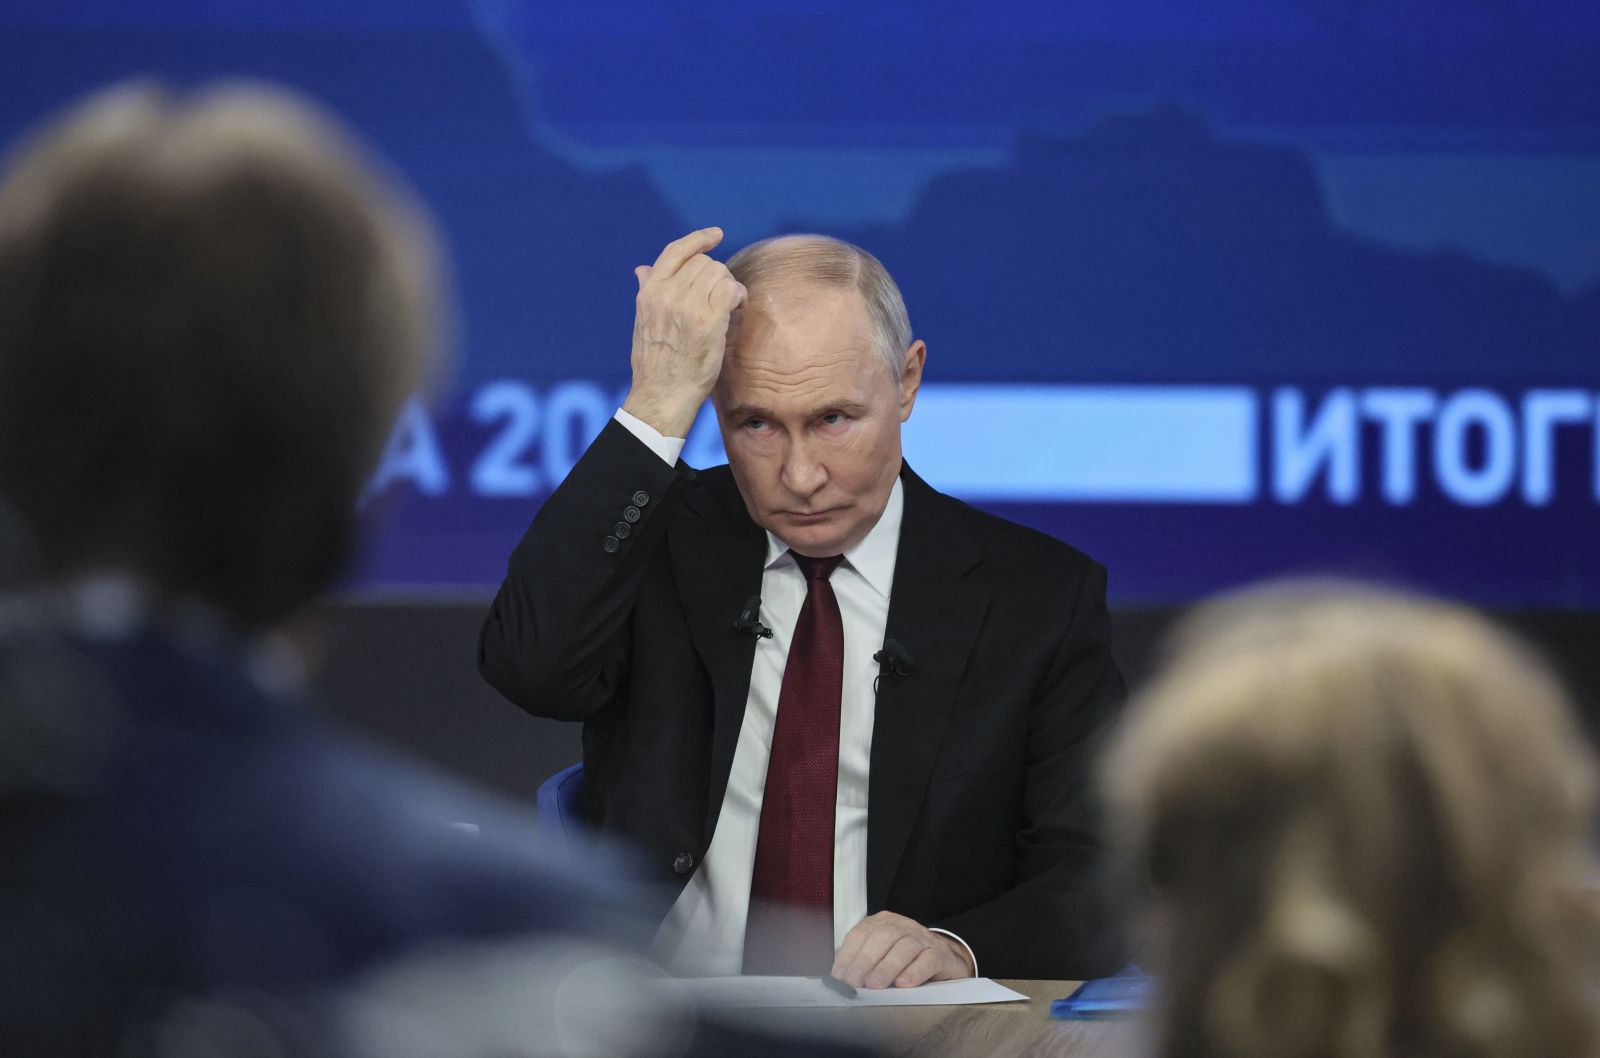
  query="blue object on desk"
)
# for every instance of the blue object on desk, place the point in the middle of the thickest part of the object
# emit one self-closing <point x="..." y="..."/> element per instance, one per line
<point x="1107" y="997"/>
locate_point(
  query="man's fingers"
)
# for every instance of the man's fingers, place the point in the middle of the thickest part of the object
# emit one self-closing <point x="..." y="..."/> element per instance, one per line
<point x="642" y="274"/>
<point x="696" y="271"/>
<point x="706" y="280"/>
<point x="680" y="250"/>
<point x="728" y="294"/>
<point x="851" y="946"/>
<point x="874" y="946"/>
<point x="921" y="970"/>
<point x="900" y="955"/>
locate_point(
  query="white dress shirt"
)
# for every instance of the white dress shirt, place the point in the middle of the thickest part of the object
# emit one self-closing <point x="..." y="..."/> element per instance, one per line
<point x="703" y="934"/>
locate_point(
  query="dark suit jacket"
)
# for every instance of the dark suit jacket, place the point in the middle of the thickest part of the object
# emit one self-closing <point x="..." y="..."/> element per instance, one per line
<point x="980" y="808"/>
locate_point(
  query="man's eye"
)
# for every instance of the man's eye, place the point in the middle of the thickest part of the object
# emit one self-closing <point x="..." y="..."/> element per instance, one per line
<point x="833" y="418"/>
<point x="755" y="424"/>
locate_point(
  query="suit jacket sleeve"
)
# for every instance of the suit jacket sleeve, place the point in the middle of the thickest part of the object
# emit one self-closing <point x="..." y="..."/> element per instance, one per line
<point x="1061" y="920"/>
<point x="555" y="641"/>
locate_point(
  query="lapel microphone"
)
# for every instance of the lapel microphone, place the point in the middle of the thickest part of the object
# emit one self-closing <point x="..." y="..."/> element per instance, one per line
<point x="894" y="660"/>
<point x="747" y="623"/>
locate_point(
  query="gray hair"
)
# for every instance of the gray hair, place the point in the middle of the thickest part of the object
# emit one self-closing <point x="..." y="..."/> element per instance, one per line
<point x="833" y="262"/>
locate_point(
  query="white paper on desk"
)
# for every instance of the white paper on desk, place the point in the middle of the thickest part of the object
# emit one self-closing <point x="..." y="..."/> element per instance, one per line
<point x="751" y="992"/>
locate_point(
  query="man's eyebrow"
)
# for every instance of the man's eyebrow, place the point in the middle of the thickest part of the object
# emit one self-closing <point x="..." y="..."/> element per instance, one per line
<point x="755" y="411"/>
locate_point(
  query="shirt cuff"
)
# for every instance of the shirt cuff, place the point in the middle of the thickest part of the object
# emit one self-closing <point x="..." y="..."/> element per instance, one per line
<point x="970" y="957"/>
<point x="668" y="448"/>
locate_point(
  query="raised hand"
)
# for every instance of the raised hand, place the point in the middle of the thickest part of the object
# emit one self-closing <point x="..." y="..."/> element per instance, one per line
<point x="680" y="327"/>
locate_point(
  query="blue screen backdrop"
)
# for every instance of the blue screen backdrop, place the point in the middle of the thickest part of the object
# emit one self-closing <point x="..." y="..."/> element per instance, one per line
<point x="1214" y="289"/>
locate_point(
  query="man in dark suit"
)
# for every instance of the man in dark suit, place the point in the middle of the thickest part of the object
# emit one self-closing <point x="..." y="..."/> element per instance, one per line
<point x="809" y="681"/>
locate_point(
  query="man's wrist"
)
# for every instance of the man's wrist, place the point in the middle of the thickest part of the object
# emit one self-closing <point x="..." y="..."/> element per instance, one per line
<point x="670" y="416"/>
<point x="668" y="448"/>
<point x="959" y="946"/>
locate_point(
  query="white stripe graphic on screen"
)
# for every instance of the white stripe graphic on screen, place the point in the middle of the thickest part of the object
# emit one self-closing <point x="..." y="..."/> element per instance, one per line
<point x="1104" y="444"/>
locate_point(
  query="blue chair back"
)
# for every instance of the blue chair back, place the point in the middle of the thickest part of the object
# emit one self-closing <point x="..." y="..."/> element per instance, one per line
<point x="558" y="805"/>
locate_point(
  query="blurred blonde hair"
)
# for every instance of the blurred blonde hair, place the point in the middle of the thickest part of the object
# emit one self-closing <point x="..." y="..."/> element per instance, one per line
<point x="827" y="261"/>
<point x="1364" y="818"/>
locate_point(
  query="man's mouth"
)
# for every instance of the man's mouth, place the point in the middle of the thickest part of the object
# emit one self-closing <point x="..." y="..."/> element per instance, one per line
<point x="809" y="516"/>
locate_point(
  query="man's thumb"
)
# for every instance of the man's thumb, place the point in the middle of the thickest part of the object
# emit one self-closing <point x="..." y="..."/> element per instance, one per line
<point x="641" y="274"/>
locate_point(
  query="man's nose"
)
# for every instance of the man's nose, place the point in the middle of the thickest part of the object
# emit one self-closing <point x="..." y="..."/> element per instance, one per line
<point x="802" y="474"/>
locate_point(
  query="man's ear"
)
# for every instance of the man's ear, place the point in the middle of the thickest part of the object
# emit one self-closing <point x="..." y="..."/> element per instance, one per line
<point x="911" y="377"/>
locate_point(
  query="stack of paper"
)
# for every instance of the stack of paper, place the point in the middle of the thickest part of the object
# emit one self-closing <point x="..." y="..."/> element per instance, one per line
<point x="756" y="992"/>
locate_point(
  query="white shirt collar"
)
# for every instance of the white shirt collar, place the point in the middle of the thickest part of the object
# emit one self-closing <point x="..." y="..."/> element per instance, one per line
<point x="874" y="557"/>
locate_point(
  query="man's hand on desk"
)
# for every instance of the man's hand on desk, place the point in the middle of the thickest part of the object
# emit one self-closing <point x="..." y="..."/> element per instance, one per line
<point x="889" y="949"/>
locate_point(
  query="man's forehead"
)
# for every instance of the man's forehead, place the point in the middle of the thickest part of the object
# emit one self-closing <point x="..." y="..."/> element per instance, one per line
<point x="795" y="322"/>
<point x="811" y="367"/>
<point x="779" y="300"/>
<point x="798" y="381"/>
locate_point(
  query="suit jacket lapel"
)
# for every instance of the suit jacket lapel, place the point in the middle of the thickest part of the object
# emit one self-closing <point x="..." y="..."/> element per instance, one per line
<point x="717" y="560"/>
<point x="935" y="612"/>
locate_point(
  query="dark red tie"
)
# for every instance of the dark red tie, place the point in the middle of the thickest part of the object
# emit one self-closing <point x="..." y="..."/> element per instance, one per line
<point x="790" y="927"/>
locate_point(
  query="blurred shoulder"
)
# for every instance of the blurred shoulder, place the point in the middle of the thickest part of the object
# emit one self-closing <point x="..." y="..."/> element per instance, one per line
<point x="310" y="849"/>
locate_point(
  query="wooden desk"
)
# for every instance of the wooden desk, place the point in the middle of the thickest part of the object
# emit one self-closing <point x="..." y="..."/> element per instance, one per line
<point x="997" y="1030"/>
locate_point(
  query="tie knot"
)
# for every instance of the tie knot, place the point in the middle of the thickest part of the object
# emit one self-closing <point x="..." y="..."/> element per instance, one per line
<point x="817" y="568"/>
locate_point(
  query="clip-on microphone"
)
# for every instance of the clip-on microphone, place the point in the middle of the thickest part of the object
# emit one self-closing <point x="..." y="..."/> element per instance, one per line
<point x="893" y="660"/>
<point x="748" y="623"/>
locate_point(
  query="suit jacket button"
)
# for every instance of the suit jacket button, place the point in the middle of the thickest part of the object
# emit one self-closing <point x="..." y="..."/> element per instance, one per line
<point x="630" y="514"/>
<point x="641" y="498"/>
<point x="621" y="530"/>
<point x="611" y="544"/>
<point x="683" y="863"/>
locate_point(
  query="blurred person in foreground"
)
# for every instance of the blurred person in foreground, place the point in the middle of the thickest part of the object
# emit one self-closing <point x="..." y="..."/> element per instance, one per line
<point x="211" y="308"/>
<point x="1364" y="820"/>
